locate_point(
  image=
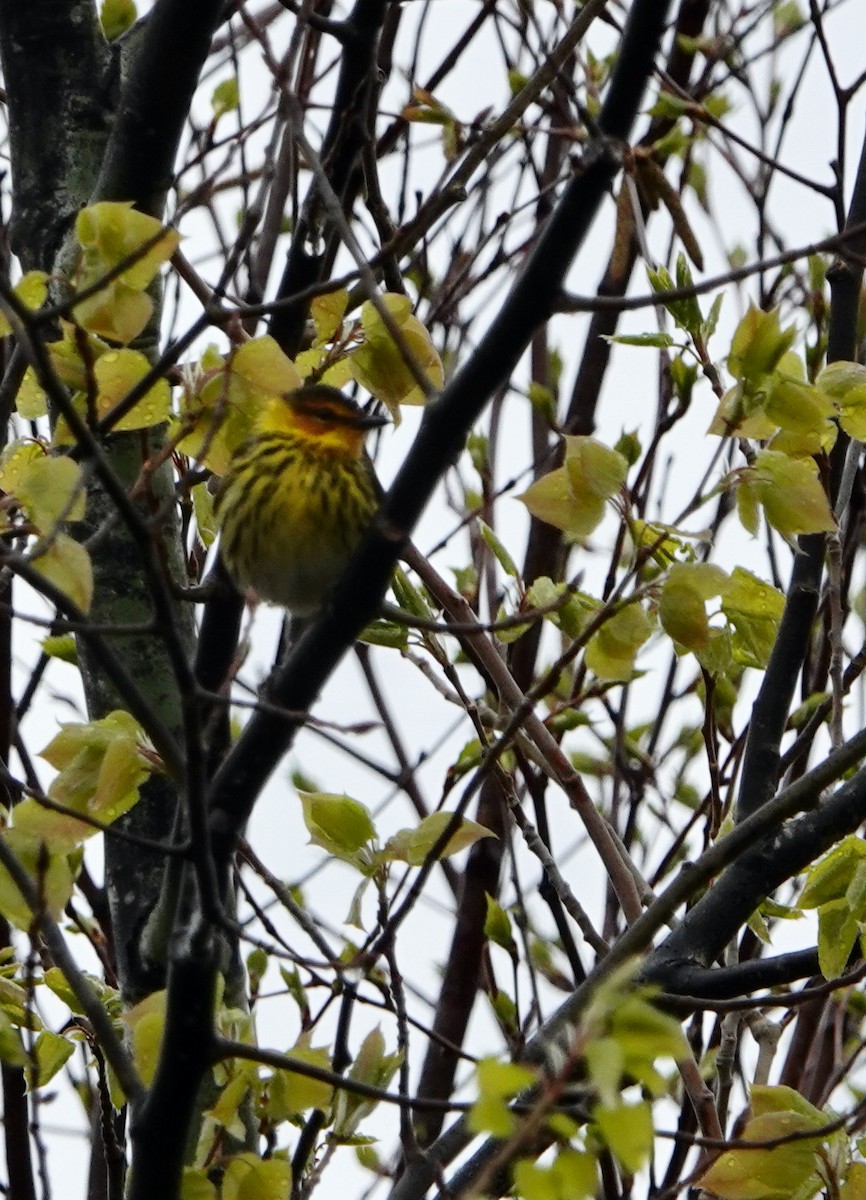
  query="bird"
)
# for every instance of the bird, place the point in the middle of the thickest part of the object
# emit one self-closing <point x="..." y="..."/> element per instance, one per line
<point x="298" y="497"/>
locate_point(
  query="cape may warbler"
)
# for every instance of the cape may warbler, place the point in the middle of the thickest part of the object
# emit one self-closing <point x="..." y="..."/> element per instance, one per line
<point x="297" y="497"/>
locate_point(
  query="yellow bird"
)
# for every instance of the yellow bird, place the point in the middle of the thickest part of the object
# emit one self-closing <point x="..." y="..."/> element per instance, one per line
<point x="298" y="497"/>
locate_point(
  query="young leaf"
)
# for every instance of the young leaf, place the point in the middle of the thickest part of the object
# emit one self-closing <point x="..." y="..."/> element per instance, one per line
<point x="501" y="554"/>
<point x="290" y="1093"/>
<point x="249" y="1177"/>
<point x="101" y="766"/>
<point x="497" y="927"/>
<point x="327" y="312"/>
<point x="497" y="1082"/>
<point x="412" y="846"/>
<point x="790" y="493"/>
<point x="551" y="499"/>
<point x="628" y="1131"/>
<point x="116" y="16"/>
<point x="380" y="367"/>
<point x="758" y="344"/>
<point x="51" y="1052"/>
<point x="754" y="609"/>
<point x="116" y="373"/>
<point x="340" y="825"/>
<point x="31" y="291"/>
<point x="611" y="651"/>
<point x="682" y="606"/>
<point x="224" y="98"/>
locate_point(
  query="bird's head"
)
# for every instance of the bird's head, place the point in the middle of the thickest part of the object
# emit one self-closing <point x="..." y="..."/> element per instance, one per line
<point x="324" y="415"/>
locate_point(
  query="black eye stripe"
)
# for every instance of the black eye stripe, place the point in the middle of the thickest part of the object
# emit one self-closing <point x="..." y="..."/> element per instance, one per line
<point x="330" y="415"/>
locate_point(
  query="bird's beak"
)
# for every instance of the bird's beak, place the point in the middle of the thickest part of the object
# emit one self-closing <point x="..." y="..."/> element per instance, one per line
<point x="371" y="421"/>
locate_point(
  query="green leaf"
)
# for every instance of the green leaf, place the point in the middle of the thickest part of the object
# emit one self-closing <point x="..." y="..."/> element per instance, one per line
<point x="837" y="932"/>
<point x="114" y="231"/>
<point x="290" y="1093"/>
<point x="372" y="1065"/>
<point x="116" y="16"/>
<point x="116" y="373"/>
<point x="544" y="593"/>
<point x="855" y="894"/>
<point x="412" y="846"/>
<point x="248" y="1177"/>
<point x="226" y="1111"/>
<point x="505" y="1011"/>
<point x="754" y="608"/>
<point x="225" y="97"/>
<point x="685" y="312"/>
<point x="534" y="1182"/>
<point x="605" y="1062"/>
<point x="263" y="366"/>
<point x="779" y="1172"/>
<point x="829" y="878"/>
<point x="787" y="18"/>
<point x="497" y="1082"/>
<point x="576" y="1174"/>
<point x="49" y="488"/>
<point x="748" y="510"/>
<point x="628" y="1131"/>
<point x="644" y="1030"/>
<point x="657" y="340"/>
<point x="340" y="825"/>
<point x="410" y="597"/>
<point x="202" y="503"/>
<point x="711" y="321"/>
<point x="682" y="605"/>
<point x="551" y="499"/>
<point x="790" y="492"/>
<point x="195" y="1185"/>
<point x="798" y="406"/>
<point x="670" y="107"/>
<point x="497" y="927"/>
<point x="379" y="366"/>
<point x="769" y="1098"/>
<point x="629" y="446"/>
<point x="511" y="633"/>
<point x="611" y="652"/>
<point x="31" y="291"/>
<point x="543" y="401"/>
<point x="573" y="497"/>
<point x="51" y="1051"/>
<point x="385" y="633"/>
<point x="758" y="344"/>
<point x="593" y="468"/>
<point x="355" y="914"/>
<point x="51" y="873"/>
<point x="31" y="402"/>
<point x="257" y="964"/>
<point x="17" y="1004"/>
<point x="295" y="988"/>
<point x="101" y="766"/>
<point x="501" y="554"/>
<point x="845" y="384"/>
<point x="55" y="981"/>
<point x="146" y="1022"/>
<point x="327" y="312"/>
<point x="854" y="1187"/>
<point x="63" y="647"/>
<point x="66" y="564"/>
<point x="12" y="1050"/>
<point x="111" y="234"/>
<point x="644" y="1033"/>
